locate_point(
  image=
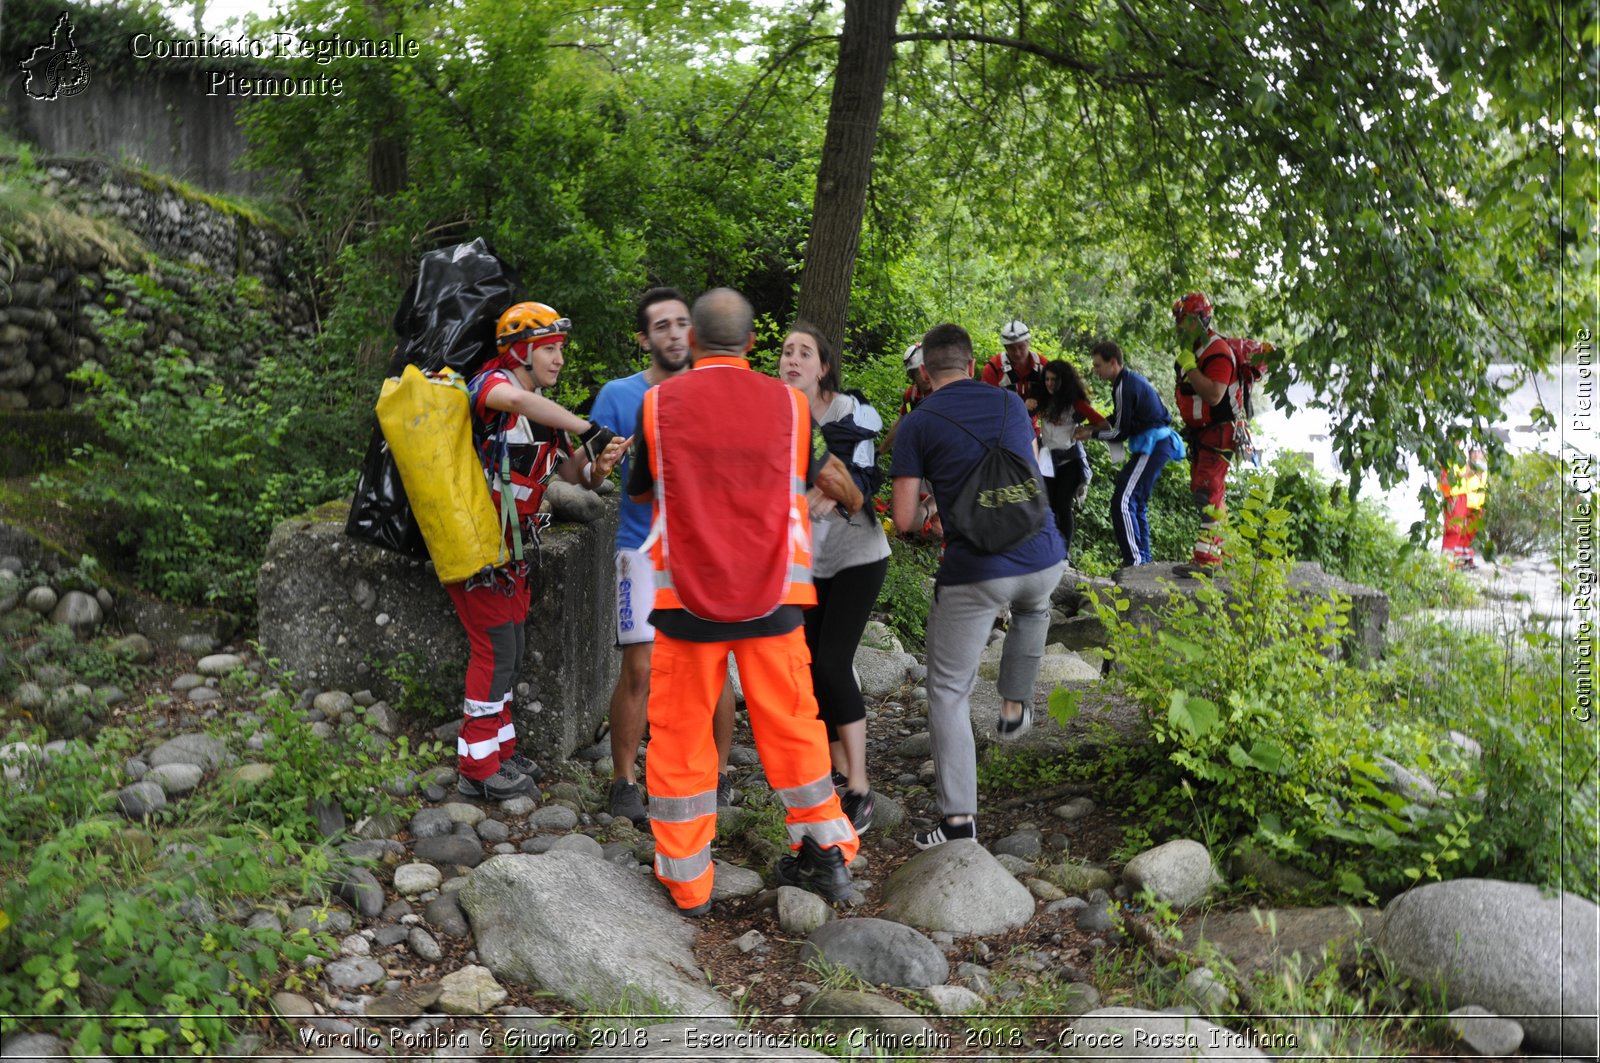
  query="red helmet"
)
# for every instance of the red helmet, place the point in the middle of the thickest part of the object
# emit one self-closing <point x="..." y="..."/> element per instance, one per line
<point x="1194" y="303"/>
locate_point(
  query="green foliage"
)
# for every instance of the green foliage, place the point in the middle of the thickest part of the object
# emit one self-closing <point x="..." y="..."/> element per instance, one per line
<point x="198" y="464"/>
<point x="1002" y="770"/>
<point x="1534" y="785"/>
<point x="1250" y="708"/>
<point x="129" y="940"/>
<point x="903" y="603"/>
<point x="597" y="151"/>
<point x="93" y="923"/>
<point x="1352" y="538"/>
<point x="1522" y="514"/>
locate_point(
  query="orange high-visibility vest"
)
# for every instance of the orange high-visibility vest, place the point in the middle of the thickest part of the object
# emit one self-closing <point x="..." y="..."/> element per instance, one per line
<point x="729" y="450"/>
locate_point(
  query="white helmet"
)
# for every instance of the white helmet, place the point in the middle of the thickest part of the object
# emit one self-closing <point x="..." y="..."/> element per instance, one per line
<point x="1015" y="332"/>
<point x="913" y="357"/>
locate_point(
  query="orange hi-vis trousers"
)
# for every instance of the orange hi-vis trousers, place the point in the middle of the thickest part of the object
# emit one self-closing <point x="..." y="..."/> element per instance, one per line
<point x="681" y="759"/>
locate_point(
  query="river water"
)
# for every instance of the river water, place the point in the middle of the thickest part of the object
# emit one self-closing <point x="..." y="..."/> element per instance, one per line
<point x="1307" y="431"/>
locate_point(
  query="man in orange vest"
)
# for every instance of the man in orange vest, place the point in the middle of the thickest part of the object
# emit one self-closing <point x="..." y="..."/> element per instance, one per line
<point x="725" y="456"/>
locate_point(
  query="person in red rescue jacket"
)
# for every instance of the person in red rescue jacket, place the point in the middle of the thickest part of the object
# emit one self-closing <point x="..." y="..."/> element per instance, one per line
<point x="1210" y="403"/>
<point x="1019" y="368"/>
<point x="725" y="456"/>
<point x="519" y="435"/>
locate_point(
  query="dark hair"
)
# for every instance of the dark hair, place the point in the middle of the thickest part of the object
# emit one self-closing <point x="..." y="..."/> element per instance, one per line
<point x="1107" y="351"/>
<point x="946" y="348"/>
<point x="1059" y="403"/>
<point x="722" y="322"/>
<point x="641" y="313"/>
<point x="829" y="384"/>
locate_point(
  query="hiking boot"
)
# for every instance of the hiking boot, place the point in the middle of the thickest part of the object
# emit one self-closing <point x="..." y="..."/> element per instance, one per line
<point x="1010" y="730"/>
<point x="699" y="911"/>
<point x="946" y="832"/>
<point x="501" y="785"/>
<point x="814" y="868"/>
<point x="727" y="795"/>
<point x="625" y="801"/>
<point x="1190" y="571"/>
<point x="519" y="763"/>
<point x="858" y="807"/>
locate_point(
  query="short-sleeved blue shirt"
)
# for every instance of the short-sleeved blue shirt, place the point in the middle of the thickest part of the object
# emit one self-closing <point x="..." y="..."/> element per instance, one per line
<point x="617" y="408"/>
<point x="932" y="448"/>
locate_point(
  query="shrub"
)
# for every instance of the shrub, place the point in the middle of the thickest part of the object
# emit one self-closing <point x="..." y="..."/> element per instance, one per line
<point x="1253" y="717"/>
<point x="1522" y="513"/>
<point x="1352" y="538"/>
<point x="1535" y="783"/>
<point x="199" y="465"/>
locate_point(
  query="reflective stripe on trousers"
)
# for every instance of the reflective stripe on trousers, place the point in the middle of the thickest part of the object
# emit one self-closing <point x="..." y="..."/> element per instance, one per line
<point x="681" y="760"/>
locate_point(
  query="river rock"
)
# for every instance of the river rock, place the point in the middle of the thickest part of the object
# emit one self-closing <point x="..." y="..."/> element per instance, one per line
<point x="801" y="911"/>
<point x="470" y="991"/>
<point x="204" y="750"/>
<point x="956" y="887"/>
<point x="79" y="611"/>
<point x="175" y="779"/>
<point x="219" y="664"/>
<point x="878" y="952"/>
<point x="1178" y="872"/>
<point x="1504" y="946"/>
<point x="585" y="930"/>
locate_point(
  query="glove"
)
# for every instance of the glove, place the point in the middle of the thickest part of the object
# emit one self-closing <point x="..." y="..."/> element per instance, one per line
<point x="1079" y="495"/>
<point x="594" y="441"/>
<point x="1186" y="362"/>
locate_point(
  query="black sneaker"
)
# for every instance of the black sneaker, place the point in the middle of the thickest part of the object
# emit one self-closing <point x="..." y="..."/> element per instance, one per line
<point x="519" y="763"/>
<point x="859" y="808"/>
<point x="816" y="869"/>
<point x="625" y="801"/>
<point x="727" y="794"/>
<point x="501" y="785"/>
<point x="840" y="782"/>
<point x="946" y="832"/>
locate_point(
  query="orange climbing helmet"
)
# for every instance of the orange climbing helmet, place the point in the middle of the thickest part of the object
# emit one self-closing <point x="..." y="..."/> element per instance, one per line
<point x="530" y="325"/>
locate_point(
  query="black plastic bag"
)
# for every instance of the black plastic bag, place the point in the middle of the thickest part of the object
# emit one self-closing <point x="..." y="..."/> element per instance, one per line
<point x="379" y="513"/>
<point x="448" y="315"/>
<point x="447" y="318"/>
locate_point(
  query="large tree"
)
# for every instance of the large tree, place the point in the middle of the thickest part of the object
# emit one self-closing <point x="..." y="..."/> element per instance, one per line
<point x="1375" y="182"/>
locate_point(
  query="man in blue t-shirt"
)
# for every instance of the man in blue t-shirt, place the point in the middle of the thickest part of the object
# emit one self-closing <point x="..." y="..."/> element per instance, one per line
<point x="971" y="587"/>
<point x="663" y="319"/>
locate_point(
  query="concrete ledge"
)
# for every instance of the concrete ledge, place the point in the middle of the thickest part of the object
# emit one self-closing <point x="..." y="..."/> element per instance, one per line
<point x="339" y="613"/>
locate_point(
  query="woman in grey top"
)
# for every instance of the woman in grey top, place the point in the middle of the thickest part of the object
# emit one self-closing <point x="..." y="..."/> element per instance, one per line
<point x="850" y="557"/>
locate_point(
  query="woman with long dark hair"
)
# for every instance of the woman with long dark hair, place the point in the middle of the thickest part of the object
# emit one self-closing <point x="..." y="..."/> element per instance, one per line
<point x="1066" y="405"/>
<point x="850" y="557"/>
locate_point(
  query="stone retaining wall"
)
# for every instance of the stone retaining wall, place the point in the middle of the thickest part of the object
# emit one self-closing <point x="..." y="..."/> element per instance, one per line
<point x="45" y="285"/>
<point x="341" y="614"/>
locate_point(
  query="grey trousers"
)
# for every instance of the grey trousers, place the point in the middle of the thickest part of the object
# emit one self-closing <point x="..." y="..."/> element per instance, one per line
<point x="959" y="623"/>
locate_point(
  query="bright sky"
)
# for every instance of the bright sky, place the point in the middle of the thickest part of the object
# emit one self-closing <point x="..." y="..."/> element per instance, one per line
<point x="218" y="12"/>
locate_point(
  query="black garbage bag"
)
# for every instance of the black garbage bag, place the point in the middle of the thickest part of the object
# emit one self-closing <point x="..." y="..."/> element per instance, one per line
<point x="379" y="513"/>
<point x="448" y="315"/>
<point x="447" y="318"/>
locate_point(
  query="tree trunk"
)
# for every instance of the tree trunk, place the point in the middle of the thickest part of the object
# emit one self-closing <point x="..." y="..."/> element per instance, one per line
<point x="865" y="50"/>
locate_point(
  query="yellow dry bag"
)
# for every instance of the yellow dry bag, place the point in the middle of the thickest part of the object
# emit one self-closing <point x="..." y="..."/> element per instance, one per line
<point x="427" y="423"/>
